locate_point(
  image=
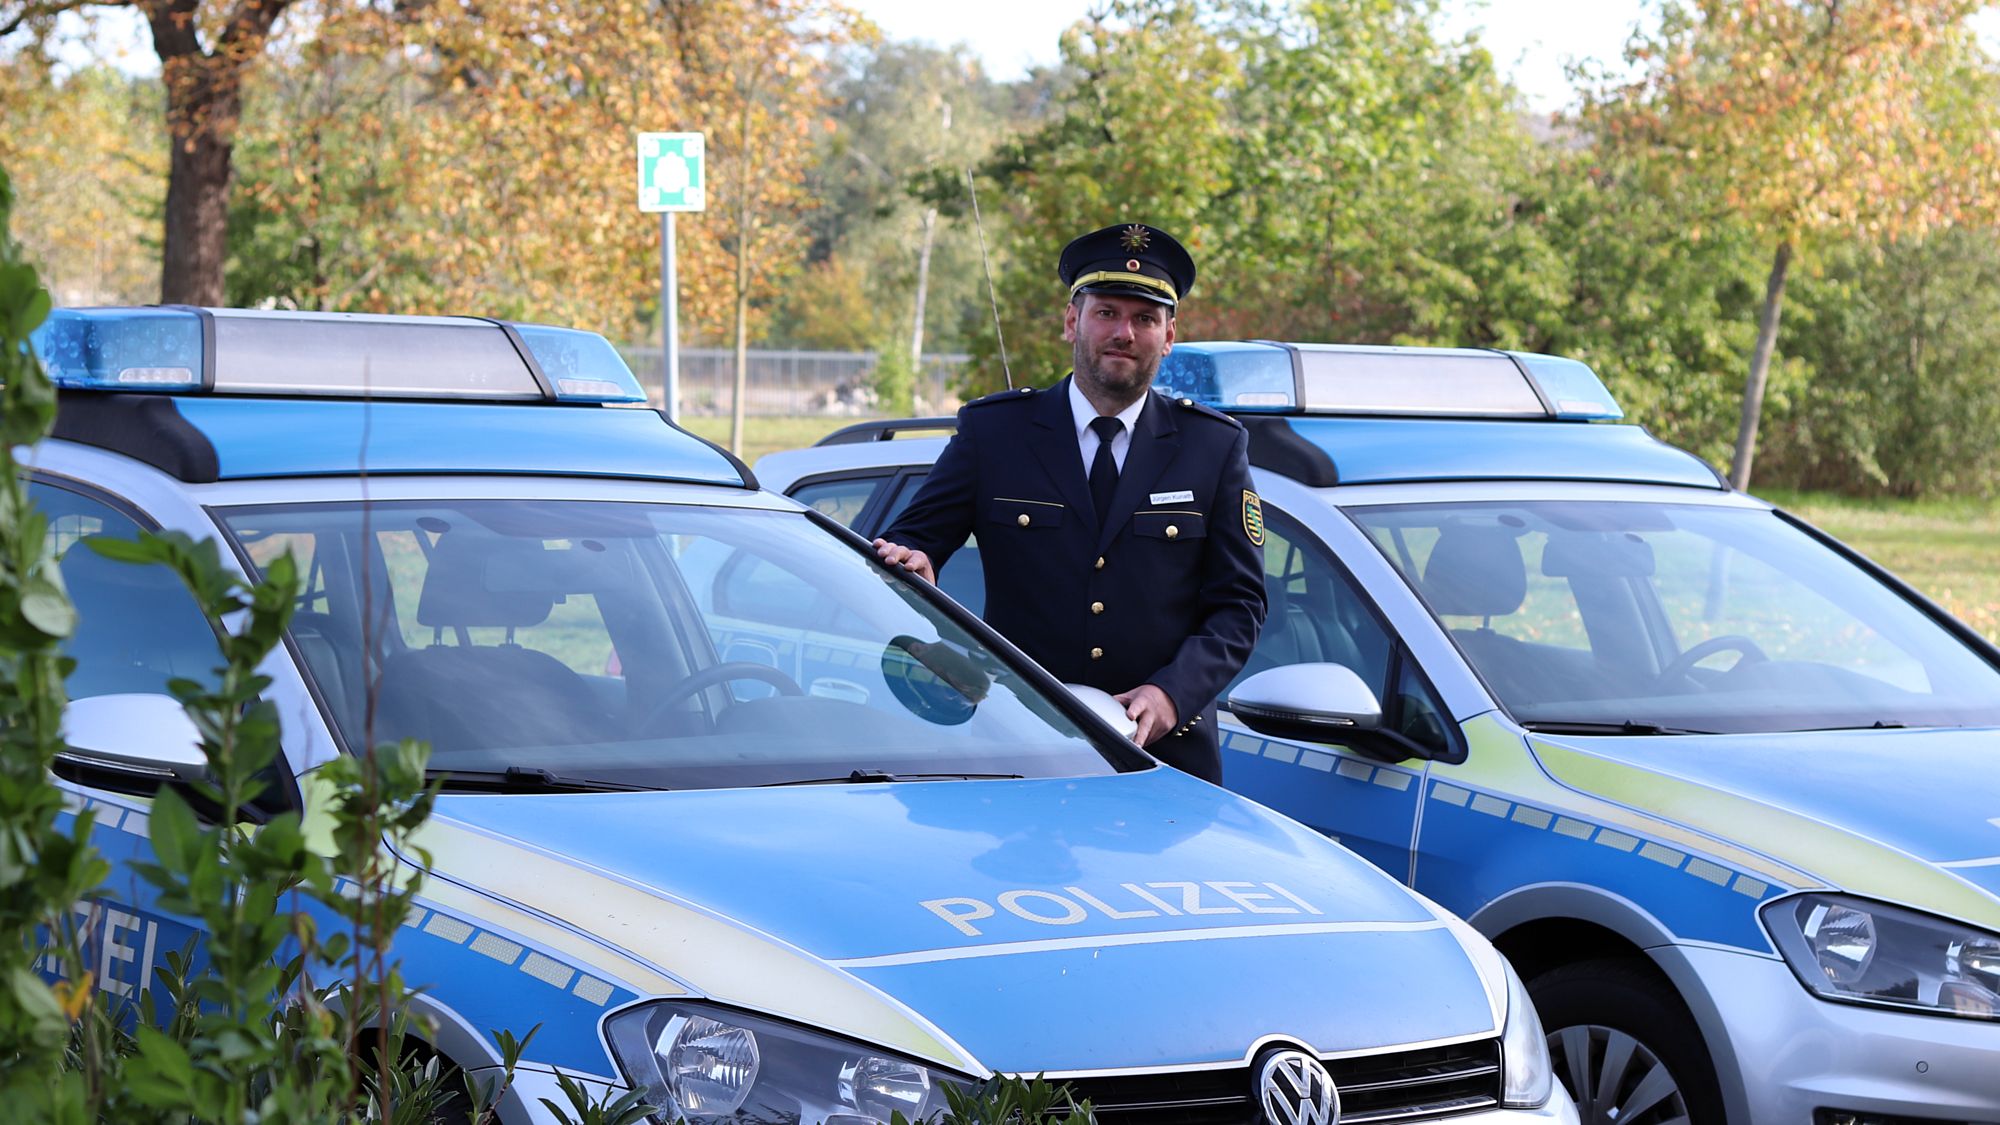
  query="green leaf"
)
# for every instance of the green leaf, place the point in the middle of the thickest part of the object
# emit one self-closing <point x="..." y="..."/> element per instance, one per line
<point x="176" y="835"/>
<point x="127" y="550"/>
<point x="47" y="608"/>
<point x="36" y="1002"/>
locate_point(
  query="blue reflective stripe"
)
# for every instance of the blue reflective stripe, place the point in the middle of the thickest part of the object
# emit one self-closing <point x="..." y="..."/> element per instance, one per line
<point x="1381" y="450"/>
<point x="319" y="437"/>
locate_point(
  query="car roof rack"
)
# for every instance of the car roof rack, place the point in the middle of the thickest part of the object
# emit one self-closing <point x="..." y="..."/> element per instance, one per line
<point x="886" y="429"/>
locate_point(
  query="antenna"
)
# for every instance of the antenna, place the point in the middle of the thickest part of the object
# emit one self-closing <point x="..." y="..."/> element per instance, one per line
<point x="991" y="297"/>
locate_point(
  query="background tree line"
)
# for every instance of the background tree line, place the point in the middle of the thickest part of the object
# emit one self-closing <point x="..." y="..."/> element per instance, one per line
<point x="1788" y="197"/>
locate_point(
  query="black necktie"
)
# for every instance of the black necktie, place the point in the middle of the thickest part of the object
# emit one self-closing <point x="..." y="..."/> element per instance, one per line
<point x="1104" y="467"/>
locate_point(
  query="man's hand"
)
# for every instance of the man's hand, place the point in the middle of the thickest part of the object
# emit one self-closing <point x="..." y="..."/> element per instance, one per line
<point x="916" y="562"/>
<point x="1152" y="710"/>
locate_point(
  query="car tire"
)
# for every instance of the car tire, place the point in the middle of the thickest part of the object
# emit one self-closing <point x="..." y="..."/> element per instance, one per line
<point x="1621" y="1013"/>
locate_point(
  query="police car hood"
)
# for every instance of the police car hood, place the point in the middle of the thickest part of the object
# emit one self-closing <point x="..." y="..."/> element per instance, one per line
<point x="1907" y="816"/>
<point x="1143" y="919"/>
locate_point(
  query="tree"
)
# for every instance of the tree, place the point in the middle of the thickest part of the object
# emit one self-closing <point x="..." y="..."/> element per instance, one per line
<point x="1809" y="119"/>
<point x="758" y="68"/>
<point x="206" y="49"/>
<point x="89" y="156"/>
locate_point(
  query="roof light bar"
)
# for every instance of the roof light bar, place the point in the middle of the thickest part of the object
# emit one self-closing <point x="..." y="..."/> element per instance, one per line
<point x="341" y="355"/>
<point x="582" y="366"/>
<point x="1380" y="380"/>
<point x="122" y="349"/>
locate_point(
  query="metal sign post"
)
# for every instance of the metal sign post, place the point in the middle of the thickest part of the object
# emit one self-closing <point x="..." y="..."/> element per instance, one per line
<point x="672" y="177"/>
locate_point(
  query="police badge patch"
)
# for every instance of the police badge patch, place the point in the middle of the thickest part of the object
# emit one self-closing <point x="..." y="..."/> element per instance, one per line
<point x="1253" y="518"/>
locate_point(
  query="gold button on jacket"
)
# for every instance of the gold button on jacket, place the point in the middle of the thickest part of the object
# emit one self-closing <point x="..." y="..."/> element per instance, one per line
<point x="1097" y="654"/>
<point x="1097" y="607"/>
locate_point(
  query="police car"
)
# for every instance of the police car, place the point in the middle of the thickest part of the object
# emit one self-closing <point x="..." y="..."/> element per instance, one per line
<point x="733" y="814"/>
<point x="1722" y="789"/>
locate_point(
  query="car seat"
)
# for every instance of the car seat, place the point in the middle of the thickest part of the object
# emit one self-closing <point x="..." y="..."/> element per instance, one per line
<point x="468" y="696"/>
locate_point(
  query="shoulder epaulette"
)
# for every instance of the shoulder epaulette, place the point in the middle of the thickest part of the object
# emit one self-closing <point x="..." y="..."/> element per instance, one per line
<point x="1014" y="395"/>
<point x="1190" y="406"/>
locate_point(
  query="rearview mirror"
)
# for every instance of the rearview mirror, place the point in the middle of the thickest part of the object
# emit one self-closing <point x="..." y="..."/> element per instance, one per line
<point x="1311" y="702"/>
<point x="134" y="733"/>
<point x="1104" y="707"/>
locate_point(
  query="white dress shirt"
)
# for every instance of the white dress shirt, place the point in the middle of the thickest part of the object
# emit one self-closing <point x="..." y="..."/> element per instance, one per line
<point x="1084" y="413"/>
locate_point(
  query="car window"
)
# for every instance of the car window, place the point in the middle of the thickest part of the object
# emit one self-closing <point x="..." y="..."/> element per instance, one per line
<point x="1317" y="615"/>
<point x="137" y="625"/>
<point x="963" y="579"/>
<point x="1690" y="617"/>
<point x="844" y="499"/>
<point x="570" y="637"/>
<point x="906" y="491"/>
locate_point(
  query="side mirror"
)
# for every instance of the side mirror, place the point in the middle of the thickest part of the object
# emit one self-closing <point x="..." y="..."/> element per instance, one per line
<point x="1310" y="702"/>
<point x="140" y="734"/>
<point x="1104" y="707"/>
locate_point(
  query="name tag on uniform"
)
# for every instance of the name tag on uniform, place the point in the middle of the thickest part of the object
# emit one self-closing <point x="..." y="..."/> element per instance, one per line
<point x="1171" y="498"/>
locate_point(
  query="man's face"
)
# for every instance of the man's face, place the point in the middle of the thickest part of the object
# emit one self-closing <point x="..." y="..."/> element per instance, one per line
<point x="1116" y="343"/>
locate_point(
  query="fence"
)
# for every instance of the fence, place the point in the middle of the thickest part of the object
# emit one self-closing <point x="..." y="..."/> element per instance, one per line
<point x="790" y="382"/>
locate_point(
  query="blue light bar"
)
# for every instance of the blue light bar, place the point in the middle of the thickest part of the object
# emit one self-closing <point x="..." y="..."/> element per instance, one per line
<point x="582" y="366"/>
<point x="1230" y="376"/>
<point x="122" y="349"/>
<point x="1572" y="388"/>
<point x="329" y="354"/>
<point x="1348" y="379"/>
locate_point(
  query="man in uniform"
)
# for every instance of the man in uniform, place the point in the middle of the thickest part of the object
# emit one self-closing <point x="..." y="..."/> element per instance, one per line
<point x="1119" y="532"/>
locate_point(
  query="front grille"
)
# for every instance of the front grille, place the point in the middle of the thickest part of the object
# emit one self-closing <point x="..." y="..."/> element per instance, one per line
<point x="1427" y="1084"/>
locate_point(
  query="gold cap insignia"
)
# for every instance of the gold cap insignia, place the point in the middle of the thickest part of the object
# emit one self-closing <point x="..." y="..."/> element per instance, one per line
<point x="1135" y="238"/>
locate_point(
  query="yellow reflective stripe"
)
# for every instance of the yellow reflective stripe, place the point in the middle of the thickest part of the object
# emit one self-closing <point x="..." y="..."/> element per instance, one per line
<point x="1842" y="857"/>
<point x="1130" y="278"/>
<point x="722" y="959"/>
<point x="1499" y="761"/>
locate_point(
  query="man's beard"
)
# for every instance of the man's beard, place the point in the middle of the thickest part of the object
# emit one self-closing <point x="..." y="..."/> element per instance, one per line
<point x="1123" y="387"/>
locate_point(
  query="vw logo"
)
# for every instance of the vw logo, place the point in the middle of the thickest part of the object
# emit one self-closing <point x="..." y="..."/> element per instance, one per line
<point x="1295" y="1089"/>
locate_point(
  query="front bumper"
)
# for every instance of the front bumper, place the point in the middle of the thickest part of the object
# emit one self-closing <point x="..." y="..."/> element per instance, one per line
<point x="1795" y="1053"/>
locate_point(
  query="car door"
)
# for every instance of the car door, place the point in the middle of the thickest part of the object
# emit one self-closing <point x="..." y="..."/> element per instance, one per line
<point x="1364" y="794"/>
<point x="137" y="627"/>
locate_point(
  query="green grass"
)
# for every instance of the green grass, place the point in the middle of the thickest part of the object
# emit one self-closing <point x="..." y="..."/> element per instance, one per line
<point x="1945" y="548"/>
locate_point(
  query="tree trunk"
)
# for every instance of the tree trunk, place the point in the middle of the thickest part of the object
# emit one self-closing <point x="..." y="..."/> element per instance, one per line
<point x="204" y="105"/>
<point x="1760" y="368"/>
<point x="923" y="291"/>
<point x="198" y="176"/>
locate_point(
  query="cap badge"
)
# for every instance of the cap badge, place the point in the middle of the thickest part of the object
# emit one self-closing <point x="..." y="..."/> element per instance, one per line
<point x="1135" y="238"/>
<point x="1132" y="264"/>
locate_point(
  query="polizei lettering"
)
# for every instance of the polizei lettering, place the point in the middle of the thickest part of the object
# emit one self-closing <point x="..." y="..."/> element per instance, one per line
<point x="1124" y="903"/>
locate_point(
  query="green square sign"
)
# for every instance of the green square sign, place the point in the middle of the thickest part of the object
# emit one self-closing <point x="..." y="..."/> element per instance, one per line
<point x="672" y="172"/>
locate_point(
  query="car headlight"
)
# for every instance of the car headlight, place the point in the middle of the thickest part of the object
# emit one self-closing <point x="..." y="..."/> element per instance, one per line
<point x="1527" y="1075"/>
<point x="701" y="1064"/>
<point x="1862" y="952"/>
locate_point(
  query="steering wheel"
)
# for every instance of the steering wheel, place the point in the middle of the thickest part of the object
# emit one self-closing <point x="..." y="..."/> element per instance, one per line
<point x="1678" y="669"/>
<point x="719" y="674"/>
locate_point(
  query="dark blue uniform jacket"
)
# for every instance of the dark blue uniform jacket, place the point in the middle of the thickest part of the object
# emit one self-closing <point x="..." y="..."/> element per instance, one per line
<point x="1167" y="590"/>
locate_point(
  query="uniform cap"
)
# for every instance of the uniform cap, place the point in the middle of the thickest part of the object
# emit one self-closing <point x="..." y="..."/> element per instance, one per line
<point x="1132" y="259"/>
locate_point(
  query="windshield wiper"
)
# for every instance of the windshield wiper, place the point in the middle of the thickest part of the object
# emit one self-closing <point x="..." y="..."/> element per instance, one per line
<point x="869" y="777"/>
<point x="525" y="779"/>
<point x="1628" y="727"/>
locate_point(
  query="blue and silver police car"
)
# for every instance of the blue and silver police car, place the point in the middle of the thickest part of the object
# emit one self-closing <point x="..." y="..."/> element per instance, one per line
<point x="1722" y="789"/>
<point x="734" y="815"/>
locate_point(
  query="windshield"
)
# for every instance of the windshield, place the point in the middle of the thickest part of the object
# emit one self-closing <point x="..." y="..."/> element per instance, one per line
<point x="664" y="646"/>
<point x="1682" y="617"/>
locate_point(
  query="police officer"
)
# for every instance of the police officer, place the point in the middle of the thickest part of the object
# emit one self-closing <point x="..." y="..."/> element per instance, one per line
<point x="1118" y="528"/>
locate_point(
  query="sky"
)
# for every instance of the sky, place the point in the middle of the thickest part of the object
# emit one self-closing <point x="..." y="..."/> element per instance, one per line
<point x="1531" y="40"/>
